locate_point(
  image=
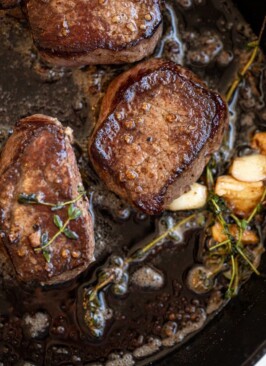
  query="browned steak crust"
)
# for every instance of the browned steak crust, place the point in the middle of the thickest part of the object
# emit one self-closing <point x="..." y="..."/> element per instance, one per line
<point x="158" y="126"/>
<point x="71" y="33"/>
<point x="38" y="158"/>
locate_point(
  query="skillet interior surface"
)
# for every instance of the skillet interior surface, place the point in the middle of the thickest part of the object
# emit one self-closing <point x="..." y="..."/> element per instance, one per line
<point x="27" y="86"/>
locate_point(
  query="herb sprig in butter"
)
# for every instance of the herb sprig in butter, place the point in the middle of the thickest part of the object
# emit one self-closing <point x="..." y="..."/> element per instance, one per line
<point x="73" y="213"/>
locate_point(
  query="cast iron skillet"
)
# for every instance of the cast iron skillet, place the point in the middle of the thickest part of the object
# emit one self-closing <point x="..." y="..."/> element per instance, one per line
<point x="240" y="329"/>
<point x="237" y="336"/>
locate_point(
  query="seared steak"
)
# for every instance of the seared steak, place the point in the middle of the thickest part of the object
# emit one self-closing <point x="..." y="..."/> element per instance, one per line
<point x="157" y="128"/>
<point x="38" y="159"/>
<point x="72" y="33"/>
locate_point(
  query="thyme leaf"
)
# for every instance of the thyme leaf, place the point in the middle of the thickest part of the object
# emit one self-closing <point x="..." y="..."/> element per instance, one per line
<point x="96" y="311"/>
<point x="73" y="212"/>
<point x="45" y="252"/>
<point x="57" y="207"/>
<point x="44" y="238"/>
<point x="70" y="234"/>
<point x="24" y="198"/>
<point x="253" y="44"/>
<point x="258" y="208"/>
<point x="58" y="222"/>
<point x="47" y="255"/>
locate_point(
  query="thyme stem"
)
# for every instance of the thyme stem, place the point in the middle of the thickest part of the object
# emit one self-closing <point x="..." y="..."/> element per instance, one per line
<point x="60" y="231"/>
<point x="220" y="244"/>
<point x="233" y="273"/>
<point x="61" y="204"/>
<point x="247" y="260"/>
<point x="67" y="203"/>
<point x="222" y="222"/>
<point x="43" y="203"/>
<point x="101" y="285"/>
<point x="73" y="214"/>
<point x="255" y="211"/>
<point x="154" y="242"/>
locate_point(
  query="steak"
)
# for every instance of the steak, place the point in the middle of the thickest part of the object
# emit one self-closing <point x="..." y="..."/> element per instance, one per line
<point x="74" y="33"/>
<point x="158" y="126"/>
<point x="38" y="160"/>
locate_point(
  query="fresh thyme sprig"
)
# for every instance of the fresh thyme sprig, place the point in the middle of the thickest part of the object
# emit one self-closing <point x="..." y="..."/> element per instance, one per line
<point x="32" y="199"/>
<point x="255" y="45"/>
<point x="233" y="248"/>
<point x="140" y="254"/>
<point x="115" y="274"/>
<point x="73" y="214"/>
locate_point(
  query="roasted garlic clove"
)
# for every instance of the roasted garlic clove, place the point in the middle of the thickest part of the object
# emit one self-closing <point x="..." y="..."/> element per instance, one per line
<point x="193" y="199"/>
<point x="249" y="237"/>
<point x="241" y="197"/>
<point x="250" y="168"/>
<point x="259" y="142"/>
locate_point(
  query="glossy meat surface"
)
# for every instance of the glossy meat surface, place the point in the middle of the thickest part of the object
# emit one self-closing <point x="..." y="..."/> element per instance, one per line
<point x="79" y="32"/>
<point x="158" y="126"/>
<point x="38" y="159"/>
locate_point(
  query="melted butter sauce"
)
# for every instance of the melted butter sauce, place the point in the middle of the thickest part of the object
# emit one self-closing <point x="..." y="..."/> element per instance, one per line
<point x="209" y="37"/>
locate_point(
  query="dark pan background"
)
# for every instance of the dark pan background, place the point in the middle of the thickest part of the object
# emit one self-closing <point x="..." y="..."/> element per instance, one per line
<point x="253" y="11"/>
<point x="238" y="335"/>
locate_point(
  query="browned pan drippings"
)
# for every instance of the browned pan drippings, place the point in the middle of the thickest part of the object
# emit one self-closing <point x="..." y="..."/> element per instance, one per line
<point x="45" y="326"/>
